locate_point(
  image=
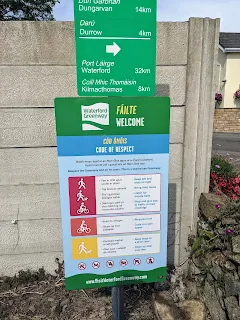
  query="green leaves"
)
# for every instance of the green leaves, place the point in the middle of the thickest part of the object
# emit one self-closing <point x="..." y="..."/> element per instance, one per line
<point x="222" y="167"/>
<point x="33" y="10"/>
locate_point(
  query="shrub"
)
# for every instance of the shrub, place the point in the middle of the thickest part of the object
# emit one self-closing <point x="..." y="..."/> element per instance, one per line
<point x="222" y="168"/>
<point x="237" y="94"/>
<point x="230" y="187"/>
<point x="218" y="97"/>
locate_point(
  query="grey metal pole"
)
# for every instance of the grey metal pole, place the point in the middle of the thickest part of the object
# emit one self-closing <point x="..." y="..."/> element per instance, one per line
<point x="117" y="303"/>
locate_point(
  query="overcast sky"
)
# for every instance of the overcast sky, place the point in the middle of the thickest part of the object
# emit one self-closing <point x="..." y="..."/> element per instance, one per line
<point x="179" y="10"/>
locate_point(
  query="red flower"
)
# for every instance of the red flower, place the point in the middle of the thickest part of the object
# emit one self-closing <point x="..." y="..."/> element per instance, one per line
<point x="237" y="94"/>
<point x="230" y="187"/>
<point x="218" y="97"/>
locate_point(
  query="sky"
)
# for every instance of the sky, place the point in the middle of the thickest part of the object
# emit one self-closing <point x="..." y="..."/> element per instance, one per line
<point x="179" y="10"/>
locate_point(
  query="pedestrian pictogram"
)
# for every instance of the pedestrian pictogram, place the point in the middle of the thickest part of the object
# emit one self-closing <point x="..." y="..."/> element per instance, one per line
<point x="82" y="266"/>
<point x="82" y="248"/>
<point x="123" y="263"/>
<point x="109" y="263"/>
<point x="81" y="184"/>
<point x="96" y="265"/>
<point x="83" y="228"/>
<point x="150" y="260"/>
<point x="137" y="261"/>
<point x="80" y="196"/>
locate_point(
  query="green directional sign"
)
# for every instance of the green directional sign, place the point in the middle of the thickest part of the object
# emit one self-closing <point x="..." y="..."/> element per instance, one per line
<point x="115" y="47"/>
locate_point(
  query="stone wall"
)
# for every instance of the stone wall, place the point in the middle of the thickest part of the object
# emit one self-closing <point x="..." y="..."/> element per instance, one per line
<point x="215" y="256"/>
<point x="227" y="120"/>
<point x="37" y="64"/>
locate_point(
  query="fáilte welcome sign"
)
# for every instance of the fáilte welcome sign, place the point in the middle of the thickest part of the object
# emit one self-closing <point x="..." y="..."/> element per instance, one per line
<point x="113" y="156"/>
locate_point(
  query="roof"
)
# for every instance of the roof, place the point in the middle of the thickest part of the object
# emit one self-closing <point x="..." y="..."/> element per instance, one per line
<point x="230" y="40"/>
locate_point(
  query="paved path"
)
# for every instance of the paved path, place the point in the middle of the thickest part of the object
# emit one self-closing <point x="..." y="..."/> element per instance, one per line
<point x="227" y="145"/>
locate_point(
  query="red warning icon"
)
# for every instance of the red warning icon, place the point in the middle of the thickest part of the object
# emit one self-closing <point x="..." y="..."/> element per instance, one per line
<point x="109" y="263"/>
<point x="150" y="260"/>
<point x="123" y="263"/>
<point x="96" y="265"/>
<point x="137" y="261"/>
<point x="82" y="266"/>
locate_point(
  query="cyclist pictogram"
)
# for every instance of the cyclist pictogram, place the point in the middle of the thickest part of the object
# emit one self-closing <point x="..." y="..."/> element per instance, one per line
<point x="82" y="209"/>
<point x="82" y="196"/>
<point x="83" y="228"/>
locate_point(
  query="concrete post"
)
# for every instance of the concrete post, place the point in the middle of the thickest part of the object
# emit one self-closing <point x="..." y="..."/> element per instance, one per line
<point x="201" y="85"/>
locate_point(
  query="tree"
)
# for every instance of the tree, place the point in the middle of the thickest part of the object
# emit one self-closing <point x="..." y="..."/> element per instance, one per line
<point x="35" y="10"/>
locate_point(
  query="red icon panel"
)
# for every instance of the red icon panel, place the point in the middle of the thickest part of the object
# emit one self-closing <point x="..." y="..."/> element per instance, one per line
<point x="83" y="227"/>
<point x="82" y="196"/>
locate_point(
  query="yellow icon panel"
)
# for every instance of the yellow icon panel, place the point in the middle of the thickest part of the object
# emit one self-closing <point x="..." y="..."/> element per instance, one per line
<point x="84" y="248"/>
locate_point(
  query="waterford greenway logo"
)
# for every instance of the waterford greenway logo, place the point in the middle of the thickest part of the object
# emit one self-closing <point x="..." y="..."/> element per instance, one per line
<point x="95" y="117"/>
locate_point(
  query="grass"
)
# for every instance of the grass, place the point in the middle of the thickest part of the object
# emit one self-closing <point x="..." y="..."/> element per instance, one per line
<point x="222" y="167"/>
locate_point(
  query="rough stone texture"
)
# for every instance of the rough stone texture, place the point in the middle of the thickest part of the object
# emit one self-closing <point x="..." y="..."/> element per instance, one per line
<point x="220" y="295"/>
<point x="233" y="308"/>
<point x="229" y="221"/>
<point x="172" y="43"/>
<point x="216" y="272"/>
<point x="195" y="310"/>
<point x="207" y="204"/>
<point x="227" y="120"/>
<point x="232" y="286"/>
<point x="233" y="257"/>
<point x="236" y="244"/>
<point x="229" y="266"/>
<point x="192" y="291"/>
<point x="166" y="309"/>
<point x="213" y="304"/>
